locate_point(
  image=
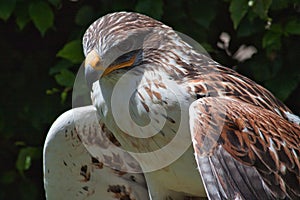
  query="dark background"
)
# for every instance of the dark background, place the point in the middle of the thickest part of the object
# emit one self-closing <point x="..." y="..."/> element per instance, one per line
<point x="40" y="53"/>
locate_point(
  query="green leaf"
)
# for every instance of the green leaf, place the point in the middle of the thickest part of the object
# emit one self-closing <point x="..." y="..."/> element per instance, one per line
<point x="248" y="28"/>
<point x="207" y="47"/>
<point x="260" y="70"/>
<point x="63" y="96"/>
<point x="62" y="64"/>
<point x="52" y="91"/>
<point x="271" y="40"/>
<point x="293" y="27"/>
<point x="22" y="16"/>
<point x="41" y="15"/>
<point x="238" y="9"/>
<point x="279" y="4"/>
<point x="122" y="5"/>
<point x="277" y="28"/>
<point x="25" y="156"/>
<point x="65" y="78"/>
<point x="283" y="86"/>
<point x="6" y="8"/>
<point x="261" y="8"/>
<point x="202" y="15"/>
<point x="84" y="16"/>
<point x="153" y="8"/>
<point x="72" y="51"/>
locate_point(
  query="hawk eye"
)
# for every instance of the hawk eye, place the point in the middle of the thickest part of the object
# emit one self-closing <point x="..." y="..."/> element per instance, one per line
<point x="126" y="45"/>
<point x="127" y="57"/>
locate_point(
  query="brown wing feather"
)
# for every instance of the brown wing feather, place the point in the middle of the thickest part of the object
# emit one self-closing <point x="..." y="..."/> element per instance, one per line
<point x="214" y="80"/>
<point x="247" y="149"/>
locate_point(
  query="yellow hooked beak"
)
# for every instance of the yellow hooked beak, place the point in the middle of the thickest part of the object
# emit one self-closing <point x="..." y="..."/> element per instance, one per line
<point x="93" y="59"/>
<point x="94" y="69"/>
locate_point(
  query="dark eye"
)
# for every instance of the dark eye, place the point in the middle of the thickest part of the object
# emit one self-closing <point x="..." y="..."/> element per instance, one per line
<point x="126" y="45"/>
<point x="128" y="59"/>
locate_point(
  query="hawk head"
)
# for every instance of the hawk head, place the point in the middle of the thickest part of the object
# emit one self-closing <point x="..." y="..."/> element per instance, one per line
<point x="118" y="42"/>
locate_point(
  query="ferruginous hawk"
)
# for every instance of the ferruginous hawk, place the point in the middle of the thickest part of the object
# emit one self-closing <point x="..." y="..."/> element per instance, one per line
<point x="168" y="122"/>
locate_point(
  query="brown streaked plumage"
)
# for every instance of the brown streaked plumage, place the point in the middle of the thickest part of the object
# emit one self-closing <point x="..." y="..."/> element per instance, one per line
<point x="265" y="145"/>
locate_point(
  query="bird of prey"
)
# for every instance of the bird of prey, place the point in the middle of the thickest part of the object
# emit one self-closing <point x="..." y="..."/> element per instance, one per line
<point x="168" y="122"/>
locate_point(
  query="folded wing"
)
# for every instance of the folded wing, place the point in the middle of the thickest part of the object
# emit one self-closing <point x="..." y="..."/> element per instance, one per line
<point x="244" y="151"/>
<point x="71" y="172"/>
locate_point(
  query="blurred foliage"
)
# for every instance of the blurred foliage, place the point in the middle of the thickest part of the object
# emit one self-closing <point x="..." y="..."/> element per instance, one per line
<point x="41" y="52"/>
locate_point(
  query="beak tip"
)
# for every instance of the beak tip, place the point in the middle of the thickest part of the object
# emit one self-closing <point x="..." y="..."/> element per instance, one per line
<point x="91" y="75"/>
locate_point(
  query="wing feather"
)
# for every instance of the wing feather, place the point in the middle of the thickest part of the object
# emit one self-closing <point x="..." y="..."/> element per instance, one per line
<point x="71" y="172"/>
<point x="245" y="151"/>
